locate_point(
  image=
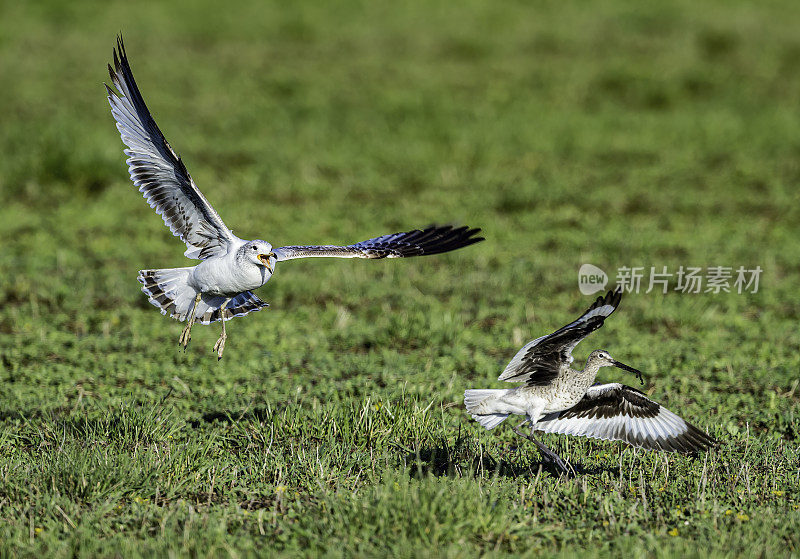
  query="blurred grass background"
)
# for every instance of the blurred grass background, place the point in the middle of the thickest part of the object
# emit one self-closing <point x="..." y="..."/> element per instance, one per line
<point x="618" y="134"/>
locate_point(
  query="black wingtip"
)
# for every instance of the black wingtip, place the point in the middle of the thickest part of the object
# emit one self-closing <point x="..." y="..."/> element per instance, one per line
<point x="696" y="441"/>
<point x="120" y="57"/>
<point x="120" y="45"/>
<point x="614" y="296"/>
<point x="437" y="239"/>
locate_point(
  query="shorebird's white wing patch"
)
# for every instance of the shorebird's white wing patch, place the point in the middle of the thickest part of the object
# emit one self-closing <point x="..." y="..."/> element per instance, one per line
<point x="541" y="361"/>
<point x="158" y="171"/>
<point x="432" y="240"/>
<point x="621" y="413"/>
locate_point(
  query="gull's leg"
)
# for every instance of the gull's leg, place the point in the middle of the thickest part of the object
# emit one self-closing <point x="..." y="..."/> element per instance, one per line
<point x="220" y="345"/>
<point x="549" y="458"/>
<point x="186" y="335"/>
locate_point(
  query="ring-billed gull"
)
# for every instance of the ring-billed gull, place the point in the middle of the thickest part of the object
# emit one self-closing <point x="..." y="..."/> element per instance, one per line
<point x="220" y="286"/>
<point x="559" y="399"/>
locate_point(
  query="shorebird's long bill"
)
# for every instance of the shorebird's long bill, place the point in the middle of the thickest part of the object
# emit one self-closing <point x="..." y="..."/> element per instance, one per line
<point x="625" y="367"/>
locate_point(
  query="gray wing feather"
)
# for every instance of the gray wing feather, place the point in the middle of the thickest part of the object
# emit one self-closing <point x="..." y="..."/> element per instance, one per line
<point x="618" y="412"/>
<point x="158" y="171"/>
<point x="432" y="240"/>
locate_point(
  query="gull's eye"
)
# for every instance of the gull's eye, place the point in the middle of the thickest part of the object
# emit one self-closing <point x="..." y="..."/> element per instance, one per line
<point x="254" y="247"/>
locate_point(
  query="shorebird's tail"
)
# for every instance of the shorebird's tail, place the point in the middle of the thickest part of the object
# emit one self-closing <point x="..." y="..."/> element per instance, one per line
<point x="490" y="421"/>
<point x="169" y="290"/>
<point x="478" y="408"/>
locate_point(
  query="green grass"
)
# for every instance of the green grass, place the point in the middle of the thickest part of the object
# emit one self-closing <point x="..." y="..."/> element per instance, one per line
<point x="618" y="134"/>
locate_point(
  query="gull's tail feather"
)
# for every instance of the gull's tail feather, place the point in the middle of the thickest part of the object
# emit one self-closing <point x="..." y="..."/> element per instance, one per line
<point x="478" y="408"/>
<point x="169" y="290"/>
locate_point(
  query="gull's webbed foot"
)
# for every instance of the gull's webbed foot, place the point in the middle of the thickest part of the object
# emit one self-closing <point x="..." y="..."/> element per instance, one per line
<point x="220" y="345"/>
<point x="186" y="336"/>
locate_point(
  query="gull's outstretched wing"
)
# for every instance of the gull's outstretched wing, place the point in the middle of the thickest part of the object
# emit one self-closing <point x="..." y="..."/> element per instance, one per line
<point x="620" y="413"/>
<point x="538" y="363"/>
<point x="432" y="240"/>
<point x="158" y="171"/>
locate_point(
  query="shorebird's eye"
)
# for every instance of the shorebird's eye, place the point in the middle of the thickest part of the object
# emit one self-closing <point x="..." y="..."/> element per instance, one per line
<point x="254" y="247"/>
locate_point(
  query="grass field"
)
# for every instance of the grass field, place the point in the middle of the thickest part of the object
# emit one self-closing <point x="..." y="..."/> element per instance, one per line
<point x="620" y="134"/>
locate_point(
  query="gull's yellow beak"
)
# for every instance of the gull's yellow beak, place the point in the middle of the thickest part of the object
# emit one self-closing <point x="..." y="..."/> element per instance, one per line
<point x="265" y="260"/>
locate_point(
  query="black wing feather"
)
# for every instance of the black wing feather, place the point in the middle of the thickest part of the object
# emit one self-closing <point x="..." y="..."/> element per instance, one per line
<point x="431" y="240"/>
<point x="618" y="412"/>
<point x="540" y="362"/>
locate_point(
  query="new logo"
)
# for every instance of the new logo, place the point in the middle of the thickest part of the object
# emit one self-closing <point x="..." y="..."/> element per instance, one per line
<point x="591" y="279"/>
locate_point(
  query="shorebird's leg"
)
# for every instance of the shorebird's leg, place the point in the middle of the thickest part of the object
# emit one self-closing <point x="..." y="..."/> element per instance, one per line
<point x="220" y="345"/>
<point x="520" y="433"/>
<point x="186" y="335"/>
<point x="562" y="466"/>
<point x="549" y="458"/>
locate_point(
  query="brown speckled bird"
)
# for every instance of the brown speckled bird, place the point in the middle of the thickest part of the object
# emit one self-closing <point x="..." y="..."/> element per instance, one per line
<point x="559" y="399"/>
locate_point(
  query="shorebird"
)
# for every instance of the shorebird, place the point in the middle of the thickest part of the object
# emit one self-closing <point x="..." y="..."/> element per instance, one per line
<point x="559" y="399"/>
<point x="220" y="286"/>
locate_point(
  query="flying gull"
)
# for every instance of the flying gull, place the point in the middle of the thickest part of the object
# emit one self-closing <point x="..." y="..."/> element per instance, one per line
<point x="559" y="399"/>
<point x="220" y="286"/>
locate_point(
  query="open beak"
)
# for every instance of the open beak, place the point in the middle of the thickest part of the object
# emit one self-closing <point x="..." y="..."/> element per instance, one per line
<point x="265" y="260"/>
<point x="624" y="367"/>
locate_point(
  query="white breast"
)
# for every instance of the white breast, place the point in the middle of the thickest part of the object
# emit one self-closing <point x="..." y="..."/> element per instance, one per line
<point x="225" y="276"/>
